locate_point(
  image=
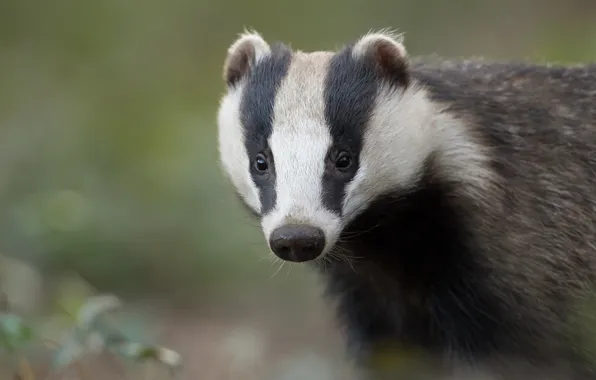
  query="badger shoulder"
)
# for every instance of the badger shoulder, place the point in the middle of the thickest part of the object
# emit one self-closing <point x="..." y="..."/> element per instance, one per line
<point x="566" y="92"/>
<point x="538" y="123"/>
<point x="538" y="120"/>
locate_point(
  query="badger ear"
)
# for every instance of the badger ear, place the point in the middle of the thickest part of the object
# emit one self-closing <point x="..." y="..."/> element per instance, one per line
<point x="243" y="54"/>
<point x="387" y="53"/>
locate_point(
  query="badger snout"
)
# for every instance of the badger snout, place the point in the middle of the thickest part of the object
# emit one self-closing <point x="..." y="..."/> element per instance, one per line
<point x="297" y="242"/>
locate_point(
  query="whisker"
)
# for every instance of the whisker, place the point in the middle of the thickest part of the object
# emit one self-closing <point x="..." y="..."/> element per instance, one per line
<point x="353" y="234"/>
<point x="268" y="257"/>
<point x="363" y="204"/>
<point x="278" y="269"/>
<point x="322" y="261"/>
<point x="346" y="253"/>
<point x="366" y="202"/>
<point x="338" y="254"/>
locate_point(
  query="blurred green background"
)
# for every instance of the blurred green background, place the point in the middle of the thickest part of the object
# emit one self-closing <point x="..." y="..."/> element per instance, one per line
<point x="108" y="157"/>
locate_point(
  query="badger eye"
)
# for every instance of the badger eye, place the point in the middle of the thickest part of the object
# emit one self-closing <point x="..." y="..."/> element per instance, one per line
<point x="343" y="161"/>
<point x="261" y="163"/>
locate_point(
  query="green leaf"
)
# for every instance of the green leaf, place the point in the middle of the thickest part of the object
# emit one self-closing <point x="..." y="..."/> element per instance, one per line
<point x="13" y="332"/>
<point x="73" y="292"/>
<point x="147" y="353"/>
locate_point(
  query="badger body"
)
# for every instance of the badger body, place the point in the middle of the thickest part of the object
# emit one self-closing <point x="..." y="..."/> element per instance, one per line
<point x="449" y="206"/>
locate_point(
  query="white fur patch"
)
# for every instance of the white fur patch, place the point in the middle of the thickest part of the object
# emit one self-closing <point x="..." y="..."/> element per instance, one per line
<point x="233" y="157"/>
<point x="398" y="139"/>
<point x="462" y="159"/>
<point x="299" y="142"/>
<point x="232" y="152"/>
<point x="403" y="131"/>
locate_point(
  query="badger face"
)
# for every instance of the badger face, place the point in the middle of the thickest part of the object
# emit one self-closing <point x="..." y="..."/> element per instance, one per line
<point x="309" y="140"/>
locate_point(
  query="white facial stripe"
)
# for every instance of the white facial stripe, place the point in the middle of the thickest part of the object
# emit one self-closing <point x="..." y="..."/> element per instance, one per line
<point x="403" y="131"/>
<point x="233" y="156"/>
<point x="299" y="142"/>
<point x="396" y="143"/>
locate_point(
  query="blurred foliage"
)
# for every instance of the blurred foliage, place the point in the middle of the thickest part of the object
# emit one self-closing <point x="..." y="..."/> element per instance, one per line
<point x="108" y="155"/>
<point x="83" y="324"/>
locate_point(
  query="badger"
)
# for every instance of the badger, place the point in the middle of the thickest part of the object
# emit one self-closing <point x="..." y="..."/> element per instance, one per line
<point x="449" y="205"/>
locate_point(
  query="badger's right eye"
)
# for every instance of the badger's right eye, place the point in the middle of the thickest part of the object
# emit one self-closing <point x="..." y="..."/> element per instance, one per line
<point x="261" y="163"/>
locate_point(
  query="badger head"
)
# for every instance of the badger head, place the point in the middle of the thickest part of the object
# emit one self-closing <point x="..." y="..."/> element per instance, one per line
<point x="309" y="140"/>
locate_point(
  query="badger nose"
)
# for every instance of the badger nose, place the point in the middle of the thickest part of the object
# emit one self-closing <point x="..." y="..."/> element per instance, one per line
<point x="297" y="242"/>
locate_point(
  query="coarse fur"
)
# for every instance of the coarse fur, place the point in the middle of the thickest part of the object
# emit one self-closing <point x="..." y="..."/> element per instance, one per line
<point x="465" y="227"/>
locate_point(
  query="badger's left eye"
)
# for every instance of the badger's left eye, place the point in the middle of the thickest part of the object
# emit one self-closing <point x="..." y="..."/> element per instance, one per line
<point x="261" y="163"/>
<point x="343" y="162"/>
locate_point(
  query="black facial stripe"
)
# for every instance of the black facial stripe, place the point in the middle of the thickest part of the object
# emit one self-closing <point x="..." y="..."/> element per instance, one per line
<point x="350" y="92"/>
<point x="256" y="110"/>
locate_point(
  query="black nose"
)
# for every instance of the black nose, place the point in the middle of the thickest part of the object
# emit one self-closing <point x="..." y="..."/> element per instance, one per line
<point x="297" y="242"/>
